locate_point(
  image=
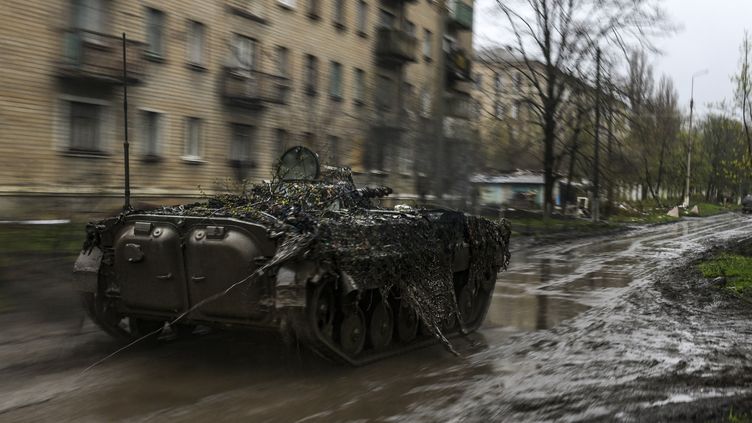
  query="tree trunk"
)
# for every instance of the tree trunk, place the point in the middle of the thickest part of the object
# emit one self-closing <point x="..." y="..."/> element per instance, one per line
<point x="549" y="138"/>
<point x="570" y="174"/>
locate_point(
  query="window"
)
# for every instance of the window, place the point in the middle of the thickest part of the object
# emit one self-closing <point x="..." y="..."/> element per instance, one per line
<point x="449" y="43"/>
<point x="518" y="81"/>
<point x="339" y="12"/>
<point x="335" y="82"/>
<point x="427" y="44"/>
<point x="196" y="43"/>
<point x="243" y="52"/>
<point x="311" y="74"/>
<point x="360" y="86"/>
<point x="154" y="32"/>
<point x="287" y="3"/>
<point x="425" y="103"/>
<point x="85" y="126"/>
<point x="362" y="16"/>
<point x="408" y="93"/>
<point x="249" y="7"/>
<point x="498" y="109"/>
<point x="478" y="81"/>
<point x="386" y="19"/>
<point x="152" y="133"/>
<point x="283" y="62"/>
<point x="497" y="82"/>
<point x="409" y="28"/>
<point x="314" y="8"/>
<point x="193" y="138"/>
<point x="240" y="148"/>
<point x="89" y="15"/>
<point x="405" y="158"/>
<point x="384" y="93"/>
<point x="516" y="110"/>
<point x="332" y="150"/>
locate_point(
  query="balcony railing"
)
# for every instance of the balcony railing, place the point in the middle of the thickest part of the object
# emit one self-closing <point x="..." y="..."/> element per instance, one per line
<point x="395" y="46"/>
<point x="459" y="66"/>
<point x="461" y="106"/>
<point x="460" y="14"/>
<point x="254" y="89"/>
<point x="94" y="56"/>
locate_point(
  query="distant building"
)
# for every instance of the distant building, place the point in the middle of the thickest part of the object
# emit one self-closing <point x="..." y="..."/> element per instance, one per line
<point x="218" y="89"/>
<point x="510" y="121"/>
<point x="520" y="190"/>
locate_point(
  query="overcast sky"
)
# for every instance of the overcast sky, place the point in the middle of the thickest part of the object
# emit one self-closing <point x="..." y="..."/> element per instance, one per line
<point x="709" y="37"/>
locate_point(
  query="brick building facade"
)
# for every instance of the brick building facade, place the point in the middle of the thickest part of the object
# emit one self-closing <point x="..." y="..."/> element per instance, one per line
<point x="217" y="90"/>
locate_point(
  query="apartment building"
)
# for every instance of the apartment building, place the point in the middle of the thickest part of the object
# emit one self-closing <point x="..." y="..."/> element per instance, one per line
<point x="505" y="98"/>
<point x="217" y="90"/>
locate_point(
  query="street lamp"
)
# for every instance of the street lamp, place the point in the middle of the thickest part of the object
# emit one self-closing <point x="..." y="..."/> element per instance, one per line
<point x="689" y="138"/>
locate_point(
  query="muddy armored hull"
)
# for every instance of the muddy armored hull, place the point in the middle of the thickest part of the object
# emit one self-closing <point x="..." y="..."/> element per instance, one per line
<point x="351" y="297"/>
<point x="308" y="254"/>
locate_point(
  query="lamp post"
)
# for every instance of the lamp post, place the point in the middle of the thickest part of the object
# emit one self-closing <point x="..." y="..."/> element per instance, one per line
<point x="689" y="138"/>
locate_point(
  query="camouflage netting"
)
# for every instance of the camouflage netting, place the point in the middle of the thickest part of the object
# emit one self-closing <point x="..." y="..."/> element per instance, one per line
<point x="335" y="224"/>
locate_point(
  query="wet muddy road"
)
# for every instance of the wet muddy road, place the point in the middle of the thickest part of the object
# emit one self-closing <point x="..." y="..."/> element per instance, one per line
<point x="600" y="328"/>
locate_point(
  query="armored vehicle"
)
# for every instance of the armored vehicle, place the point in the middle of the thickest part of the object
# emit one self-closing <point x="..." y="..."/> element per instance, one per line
<point x="307" y="254"/>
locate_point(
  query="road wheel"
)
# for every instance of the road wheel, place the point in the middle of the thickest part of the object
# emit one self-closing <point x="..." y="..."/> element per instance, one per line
<point x="407" y="322"/>
<point x="323" y="307"/>
<point x="381" y="327"/>
<point x="468" y="305"/>
<point x="352" y="332"/>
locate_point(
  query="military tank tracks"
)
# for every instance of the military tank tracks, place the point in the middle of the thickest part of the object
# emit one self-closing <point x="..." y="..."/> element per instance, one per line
<point x="363" y="327"/>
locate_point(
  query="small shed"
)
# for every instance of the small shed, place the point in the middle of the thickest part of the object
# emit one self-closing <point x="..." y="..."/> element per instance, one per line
<point x="522" y="189"/>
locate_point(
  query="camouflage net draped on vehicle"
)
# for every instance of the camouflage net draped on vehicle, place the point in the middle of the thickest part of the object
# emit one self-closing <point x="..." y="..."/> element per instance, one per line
<point x="334" y="224"/>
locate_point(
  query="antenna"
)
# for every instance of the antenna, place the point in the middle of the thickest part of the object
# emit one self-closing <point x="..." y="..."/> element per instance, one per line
<point x="126" y="161"/>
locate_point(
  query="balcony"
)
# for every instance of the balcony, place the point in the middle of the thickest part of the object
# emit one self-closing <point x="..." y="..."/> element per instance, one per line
<point x="461" y="106"/>
<point x="459" y="66"/>
<point x="250" y="9"/>
<point x="460" y="15"/>
<point x="253" y="89"/>
<point x="95" y="57"/>
<point x="395" y="47"/>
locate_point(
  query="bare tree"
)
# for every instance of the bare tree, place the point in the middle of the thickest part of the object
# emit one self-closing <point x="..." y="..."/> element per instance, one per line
<point x="556" y="38"/>
<point x="743" y="90"/>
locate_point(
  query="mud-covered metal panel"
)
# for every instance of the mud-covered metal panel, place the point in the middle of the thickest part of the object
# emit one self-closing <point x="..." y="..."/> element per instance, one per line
<point x="217" y="258"/>
<point x="86" y="270"/>
<point x="149" y="267"/>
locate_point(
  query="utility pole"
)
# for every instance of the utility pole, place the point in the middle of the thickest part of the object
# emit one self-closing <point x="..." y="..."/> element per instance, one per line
<point x="689" y="137"/>
<point x="126" y="146"/>
<point x="439" y="171"/>
<point x="595" y="211"/>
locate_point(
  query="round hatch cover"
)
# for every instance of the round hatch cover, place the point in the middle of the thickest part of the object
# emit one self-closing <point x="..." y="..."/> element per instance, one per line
<point x="298" y="163"/>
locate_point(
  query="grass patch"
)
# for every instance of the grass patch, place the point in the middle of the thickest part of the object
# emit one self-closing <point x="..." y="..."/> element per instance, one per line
<point x="644" y="218"/>
<point x="710" y="209"/>
<point x="737" y="270"/>
<point x="17" y="240"/>
<point x="734" y="417"/>
<point x="539" y="226"/>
